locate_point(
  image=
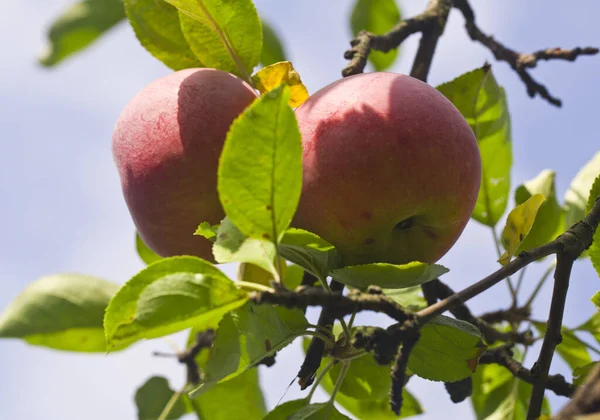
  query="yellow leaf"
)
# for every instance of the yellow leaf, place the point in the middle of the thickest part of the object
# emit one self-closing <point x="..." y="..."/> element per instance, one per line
<point x="272" y="76"/>
<point x="518" y="224"/>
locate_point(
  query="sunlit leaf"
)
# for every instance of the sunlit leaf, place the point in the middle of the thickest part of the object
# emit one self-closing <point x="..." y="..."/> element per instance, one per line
<point x="388" y="276"/>
<point x="168" y="296"/>
<point x="223" y="34"/>
<point x="80" y="25"/>
<point x="448" y="350"/>
<point x="273" y="75"/>
<point x="550" y="219"/>
<point x="577" y="196"/>
<point x="207" y="231"/>
<point x="518" y="225"/>
<point x="483" y="103"/>
<point x="156" y="26"/>
<point x="62" y="311"/>
<point x="378" y="17"/>
<point x="260" y="170"/>
<point x="594" y="250"/>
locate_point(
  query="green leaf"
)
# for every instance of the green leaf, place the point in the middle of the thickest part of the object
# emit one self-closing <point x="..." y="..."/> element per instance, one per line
<point x="378" y="17"/>
<point x="223" y="34"/>
<point x="246" y="336"/>
<point x="156" y="26"/>
<point x="518" y="225"/>
<point x="168" y="296"/>
<point x="483" y="104"/>
<point x="448" y="350"/>
<point x="293" y="276"/>
<point x="577" y="196"/>
<point x="63" y="312"/>
<point x="285" y="410"/>
<point x="596" y="299"/>
<point x="592" y="326"/>
<point x="388" y="276"/>
<point x="571" y="349"/>
<point x="550" y="218"/>
<point x="207" y="230"/>
<point x="320" y="411"/>
<point x="594" y="250"/>
<point x="260" y="170"/>
<point x="497" y="395"/>
<point x="364" y="380"/>
<point x="238" y="398"/>
<point x="152" y="397"/>
<point x="145" y="253"/>
<point x="80" y="25"/>
<point x="409" y="298"/>
<point x="233" y="246"/>
<point x="272" y="49"/>
<point x="309" y="251"/>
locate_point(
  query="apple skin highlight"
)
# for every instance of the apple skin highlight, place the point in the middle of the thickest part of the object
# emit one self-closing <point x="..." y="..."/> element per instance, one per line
<point x="391" y="169"/>
<point x="166" y="144"/>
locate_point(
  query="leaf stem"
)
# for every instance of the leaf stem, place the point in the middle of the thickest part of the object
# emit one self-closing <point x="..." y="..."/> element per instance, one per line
<point x="319" y="378"/>
<point x="171" y="404"/>
<point x="320" y="335"/>
<point x="247" y="285"/>
<point x="339" y="381"/>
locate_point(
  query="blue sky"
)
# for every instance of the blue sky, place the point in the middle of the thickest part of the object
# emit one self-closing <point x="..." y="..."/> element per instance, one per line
<point x="62" y="208"/>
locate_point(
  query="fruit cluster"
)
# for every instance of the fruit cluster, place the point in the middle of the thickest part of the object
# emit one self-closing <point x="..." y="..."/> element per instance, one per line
<point x="391" y="169"/>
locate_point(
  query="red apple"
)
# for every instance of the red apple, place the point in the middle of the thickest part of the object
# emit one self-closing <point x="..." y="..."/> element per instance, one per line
<point x="391" y="169"/>
<point x="166" y="145"/>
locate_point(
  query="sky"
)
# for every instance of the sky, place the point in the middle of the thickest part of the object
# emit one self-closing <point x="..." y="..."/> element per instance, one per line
<point x="62" y="208"/>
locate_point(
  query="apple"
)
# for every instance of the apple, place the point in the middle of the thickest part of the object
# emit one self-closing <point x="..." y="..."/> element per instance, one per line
<point x="391" y="169"/>
<point x="166" y="145"/>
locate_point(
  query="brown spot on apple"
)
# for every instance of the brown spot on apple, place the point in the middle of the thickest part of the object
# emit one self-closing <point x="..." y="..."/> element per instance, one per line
<point x="369" y="241"/>
<point x="266" y="236"/>
<point x="366" y="215"/>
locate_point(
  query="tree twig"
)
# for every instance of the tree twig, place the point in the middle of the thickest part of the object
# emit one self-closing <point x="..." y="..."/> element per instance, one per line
<point x="586" y="399"/>
<point x="520" y="62"/>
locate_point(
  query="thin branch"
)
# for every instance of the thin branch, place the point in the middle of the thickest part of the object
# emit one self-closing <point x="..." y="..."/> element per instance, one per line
<point x="398" y="372"/>
<point x="562" y="274"/>
<point x="520" y="62"/>
<point x="586" y="399"/>
<point x="510" y="315"/>
<point x="503" y="356"/>
<point x="573" y="242"/>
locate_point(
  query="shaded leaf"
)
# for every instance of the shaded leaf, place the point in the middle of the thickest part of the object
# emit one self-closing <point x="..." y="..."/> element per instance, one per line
<point x="594" y="250"/>
<point x="260" y="170"/>
<point x="571" y="349"/>
<point x="580" y="373"/>
<point x="157" y="27"/>
<point x="223" y="34"/>
<point x="577" y="196"/>
<point x="378" y="17"/>
<point x="145" y="253"/>
<point x="247" y="335"/>
<point x="168" y="296"/>
<point x="365" y="379"/>
<point x="409" y="298"/>
<point x="448" y="350"/>
<point x="62" y="311"/>
<point x="550" y="219"/>
<point x="80" y="25"/>
<point x="518" y="225"/>
<point x="272" y="49"/>
<point x="309" y="251"/>
<point x="238" y="398"/>
<point x="233" y="246"/>
<point x="273" y="75"/>
<point x="152" y="397"/>
<point x="483" y="104"/>
<point x="285" y="410"/>
<point x="320" y="411"/>
<point x="293" y="276"/>
<point x="388" y="276"/>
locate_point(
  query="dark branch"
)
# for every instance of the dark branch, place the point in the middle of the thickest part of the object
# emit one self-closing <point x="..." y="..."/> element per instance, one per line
<point x="503" y="356"/>
<point x="553" y="337"/>
<point x="520" y="62"/>
<point x="399" y="370"/>
<point x="316" y="348"/>
<point x="511" y="315"/>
